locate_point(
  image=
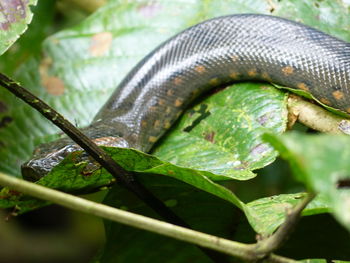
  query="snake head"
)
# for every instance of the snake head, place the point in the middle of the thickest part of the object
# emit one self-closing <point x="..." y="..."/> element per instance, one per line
<point x="48" y="155"/>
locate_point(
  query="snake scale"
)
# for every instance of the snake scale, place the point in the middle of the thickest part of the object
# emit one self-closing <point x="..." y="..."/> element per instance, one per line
<point x="214" y="52"/>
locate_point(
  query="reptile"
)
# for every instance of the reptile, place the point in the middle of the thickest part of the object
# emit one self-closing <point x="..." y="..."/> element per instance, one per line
<point x="215" y="52"/>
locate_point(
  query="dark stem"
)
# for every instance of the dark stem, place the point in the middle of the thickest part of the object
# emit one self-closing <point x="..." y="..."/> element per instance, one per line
<point x="123" y="177"/>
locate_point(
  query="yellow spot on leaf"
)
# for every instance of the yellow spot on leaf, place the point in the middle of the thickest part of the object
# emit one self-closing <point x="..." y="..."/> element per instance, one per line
<point x="53" y="85"/>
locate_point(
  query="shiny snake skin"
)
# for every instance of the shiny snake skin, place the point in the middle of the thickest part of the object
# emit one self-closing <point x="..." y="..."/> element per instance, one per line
<point x="215" y="52"/>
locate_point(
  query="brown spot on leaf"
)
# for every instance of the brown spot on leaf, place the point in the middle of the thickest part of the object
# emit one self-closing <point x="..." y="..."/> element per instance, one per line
<point x="100" y="43"/>
<point x="343" y="183"/>
<point x="90" y="168"/>
<point x="3" y="107"/>
<point x="259" y="149"/>
<point x="5" y="121"/>
<point x="12" y="11"/>
<point x="264" y="119"/>
<point x="53" y="85"/>
<point x="210" y="136"/>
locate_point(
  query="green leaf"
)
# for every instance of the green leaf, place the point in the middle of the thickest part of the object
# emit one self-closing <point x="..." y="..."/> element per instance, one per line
<point x="223" y="133"/>
<point x="29" y="44"/>
<point x="267" y="214"/>
<point x="314" y="261"/>
<point x="321" y="162"/>
<point x="72" y="175"/>
<point x="197" y="208"/>
<point x="15" y="15"/>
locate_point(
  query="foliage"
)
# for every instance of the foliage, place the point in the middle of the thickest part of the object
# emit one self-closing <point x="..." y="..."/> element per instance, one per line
<point x="217" y="145"/>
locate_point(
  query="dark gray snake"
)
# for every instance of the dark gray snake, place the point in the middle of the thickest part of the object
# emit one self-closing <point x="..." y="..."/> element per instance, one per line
<point x="212" y="53"/>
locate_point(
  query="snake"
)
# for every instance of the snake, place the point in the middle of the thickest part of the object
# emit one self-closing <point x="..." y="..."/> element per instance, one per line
<point x="215" y="52"/>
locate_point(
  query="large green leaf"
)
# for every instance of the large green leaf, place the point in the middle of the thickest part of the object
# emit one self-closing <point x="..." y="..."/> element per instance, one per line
<point x="198" y="209"/>
<point x="15" y="15"/>
<point x="321" y="162"/>
<point x="72" y="175"/>
<point x="223" y="133"/>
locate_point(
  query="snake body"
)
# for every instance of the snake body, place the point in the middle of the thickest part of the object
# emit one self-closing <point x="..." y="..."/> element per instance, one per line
<point x="215" y="52"/>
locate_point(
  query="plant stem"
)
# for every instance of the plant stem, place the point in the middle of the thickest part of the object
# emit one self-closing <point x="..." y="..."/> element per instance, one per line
<point x="316" y="117"/>
<point x="236" y="249"/>
<point x="124" y="178"/>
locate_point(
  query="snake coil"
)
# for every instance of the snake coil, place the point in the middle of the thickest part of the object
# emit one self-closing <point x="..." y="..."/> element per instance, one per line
<point x="214" y="52"/>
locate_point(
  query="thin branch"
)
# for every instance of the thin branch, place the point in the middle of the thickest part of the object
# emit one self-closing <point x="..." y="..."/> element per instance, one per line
<point x="124" y="178"/>
<point x="276" y="240"/>
<point x="236" y="249"/>
<point x="316" y="117"/>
